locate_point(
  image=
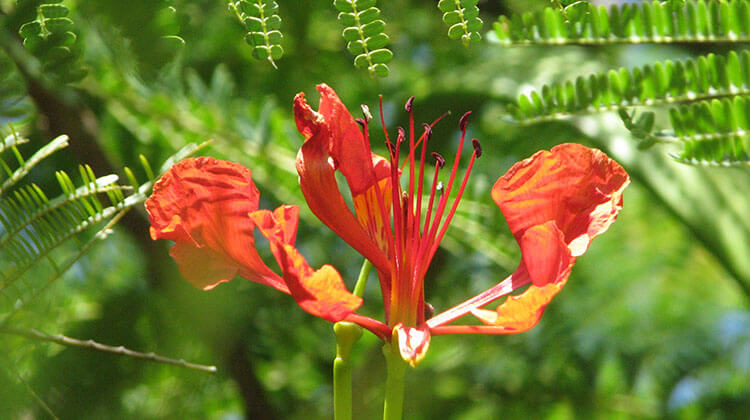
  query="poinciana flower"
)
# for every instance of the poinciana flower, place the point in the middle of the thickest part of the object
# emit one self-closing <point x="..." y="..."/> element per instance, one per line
<point x="555" y="203"/>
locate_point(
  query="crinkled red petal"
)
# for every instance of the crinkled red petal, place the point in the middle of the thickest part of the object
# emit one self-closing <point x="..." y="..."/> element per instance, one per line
<point x="202" y="204"/>
<point x="322" y="292"/>
<point x="578" y="188"/>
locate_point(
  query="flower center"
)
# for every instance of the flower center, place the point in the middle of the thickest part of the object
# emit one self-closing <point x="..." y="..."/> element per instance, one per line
<point x="416" y="237"/>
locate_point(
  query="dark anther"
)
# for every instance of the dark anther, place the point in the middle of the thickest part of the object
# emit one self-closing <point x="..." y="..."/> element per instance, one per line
<point x="391" y="149"/>
<point x="439" y="160"/>
<point x="366" y="112"/>
<point x="409" y="104"/>
<point x="401" y="134"/>
<point x="361" y="122"/>
<point x="464" y="121"/>
<point x="477" y="147"/>
<point x="427" y="131"/>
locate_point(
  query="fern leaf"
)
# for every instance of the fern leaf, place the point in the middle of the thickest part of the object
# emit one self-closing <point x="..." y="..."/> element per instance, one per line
<point x="25" y="166"/>
<point x="462" y="17"/>
<point x="713" y="133"/>
<point x="365" y="35"/>
<point x="262" y="22"/>
<point x="703" y="78"/>
<point x="647" y="22"/>
<point x="11" y="141"/>
<point x="51" y="39"/>
<point x="35" y="230"/>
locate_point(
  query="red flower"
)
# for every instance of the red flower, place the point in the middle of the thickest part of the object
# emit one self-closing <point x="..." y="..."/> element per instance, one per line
<point x="555" y="203"/>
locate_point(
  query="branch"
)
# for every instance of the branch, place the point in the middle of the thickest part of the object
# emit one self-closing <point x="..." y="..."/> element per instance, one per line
<point x="93" y="345"/>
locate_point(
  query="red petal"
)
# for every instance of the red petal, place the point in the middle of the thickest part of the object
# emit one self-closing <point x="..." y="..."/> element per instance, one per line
<point x="322" y="292"/>
<point x="203" y="205"/>
<point x="412" y="343"/>
<point x="522" y="312"/>
<point x="577" y="187"/>
<point x="316" y="169"/>
<point x="547" y="262"/>
<point x="202" y="267"/>
<point x="545" y="254"/>
<point x="349" y="149"/>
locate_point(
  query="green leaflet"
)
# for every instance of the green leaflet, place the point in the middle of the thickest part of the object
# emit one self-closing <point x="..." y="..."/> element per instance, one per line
<point x="51" y="39"/>
<point x="462" y="18"/>
<point x="365" y="36"/>
<point x="712" y="132"/>
<point x="710" y="124"/>
<point x="262" y="22"/>
<point x="705" y="77"/>
<point x="654" y="21"/>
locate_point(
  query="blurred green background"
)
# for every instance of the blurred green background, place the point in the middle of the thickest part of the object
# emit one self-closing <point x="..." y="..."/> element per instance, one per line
<point x="654" y="322"/>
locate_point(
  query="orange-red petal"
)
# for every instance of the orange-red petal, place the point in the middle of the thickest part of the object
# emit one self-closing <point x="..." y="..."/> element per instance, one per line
<point x="545" y="254"/>
<point x="317" y="166"/>
<point x="322" y="292"/>
<point x="578" y="188"/>
<point x="522" y="312"/>
<point x="202" y="204"/>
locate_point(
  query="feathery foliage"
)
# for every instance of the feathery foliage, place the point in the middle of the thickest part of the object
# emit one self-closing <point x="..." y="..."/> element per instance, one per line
<point x="34" y="227"/>
<point x="462" y="17"/>
<point x="654" y="21"/>
<point x="710" y="132"/>
<point x="710" y="124"/>
<point x="50" y="38"/>
<point x="262" y="23"/>
<point x="705" y="77"/>
<point x="365" y="36"/>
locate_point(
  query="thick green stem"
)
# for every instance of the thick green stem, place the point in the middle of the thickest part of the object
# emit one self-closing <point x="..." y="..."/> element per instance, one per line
<point x="347" y="334"/>
<point x="394" y="385"/>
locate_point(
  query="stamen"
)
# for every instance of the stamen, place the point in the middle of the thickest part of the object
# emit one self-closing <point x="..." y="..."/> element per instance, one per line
<point x="464" y="121"/>
<point x="440" y="188"/>
<point x="409" y="103"/>
<point x="418" y="206"/>
<point x="405" y="206"/>
<point x="391" y="150"/>
<point x="362" y="123"/>
<point x="427" y="131"/>
<point x="439" y="160"/>
<point x="366" y="112"/>
<point x="401" y="135"/>
<point x="477" y="147"/>
<point x="428" y="242"/>
<point x="449" y="217"/>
